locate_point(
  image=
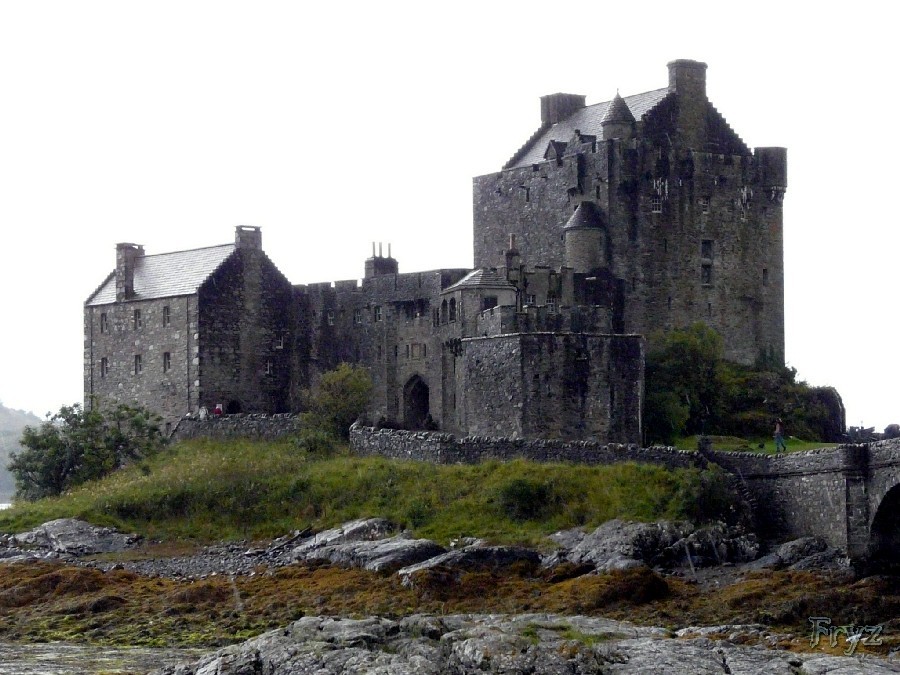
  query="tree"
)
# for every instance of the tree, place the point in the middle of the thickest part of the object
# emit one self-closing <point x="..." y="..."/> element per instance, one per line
<point x="683" y="379"/>
<point x="76" y="445"/>
<point x="342" y="396"/>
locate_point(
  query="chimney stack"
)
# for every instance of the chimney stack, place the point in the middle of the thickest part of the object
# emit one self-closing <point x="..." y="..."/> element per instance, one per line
<point x="126" y="258"/>
<point x="556" y="107"/>
<point x="247" y="236"/>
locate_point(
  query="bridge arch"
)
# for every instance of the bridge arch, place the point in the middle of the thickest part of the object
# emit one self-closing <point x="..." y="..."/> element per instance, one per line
<point x="884" y="533"/>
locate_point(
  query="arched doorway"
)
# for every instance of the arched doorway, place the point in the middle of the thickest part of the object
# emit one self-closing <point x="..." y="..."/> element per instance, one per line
<point x="884" y="538"/>
<point x="415" y="403"/>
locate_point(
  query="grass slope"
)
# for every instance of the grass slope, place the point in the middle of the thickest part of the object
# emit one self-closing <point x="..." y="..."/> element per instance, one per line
<point x="214" y="490"/>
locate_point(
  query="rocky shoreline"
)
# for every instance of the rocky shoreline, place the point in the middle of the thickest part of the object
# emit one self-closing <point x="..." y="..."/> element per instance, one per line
<point x="711" y="558"/>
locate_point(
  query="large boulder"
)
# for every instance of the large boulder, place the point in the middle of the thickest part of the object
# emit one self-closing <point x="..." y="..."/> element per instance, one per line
<point x="69" y="536"/>
<point x="618" y="544"/>
<point x="528" y="643"/>
<point x="476" y="559"/>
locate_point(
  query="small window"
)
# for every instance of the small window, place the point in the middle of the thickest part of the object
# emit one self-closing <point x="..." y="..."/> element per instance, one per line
<point x="665" y="245"/>
<point x="357" y="316"/>
<point x="488" y="302"/>
<point x="407" y="351"/>
<point x="330" y="318"/>
<point x="377" y="312"/>
<point x="104" y="367"/>
<point x="706" y="249"/>
<point x="138" y="322"/>
<point x="656" y="204"/>
<point x="706" y="275"/>
<point x="709" y="309"/>
<point x="443" y="311"/>
<point x="424" y="350"/>
<point x="530" y="299"/>
<point x="167" y="315"/>
<point x="270" y="368"/>
<point x="104" y="323"/>
<point x="137" y="364"/>
<point x="435" y="317"/>
<point x="379" y="353"/>
<point x="452" y="309"/>
<point x="703" y="203"/>
<point x="279" y="342"/>
<point x="765" y="276"/>
<point x="167" y="362"/>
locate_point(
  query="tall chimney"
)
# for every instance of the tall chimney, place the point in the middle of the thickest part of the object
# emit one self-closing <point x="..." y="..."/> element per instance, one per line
<point x="688" y="78"/>
<point x="556" y="107"/>
<point x="247" y="236"/>
<point x="126" y="257"/>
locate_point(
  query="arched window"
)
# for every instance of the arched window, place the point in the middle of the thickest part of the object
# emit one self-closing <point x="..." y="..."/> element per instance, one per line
<point x="452" y="309"/>
<point x="444" y="311"/>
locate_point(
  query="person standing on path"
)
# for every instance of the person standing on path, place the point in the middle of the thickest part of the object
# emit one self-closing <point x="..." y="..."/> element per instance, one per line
<point x="779" y="436"/>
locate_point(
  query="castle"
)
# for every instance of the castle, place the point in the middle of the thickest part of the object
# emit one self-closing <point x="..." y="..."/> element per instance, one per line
<point x="612" y="221"/>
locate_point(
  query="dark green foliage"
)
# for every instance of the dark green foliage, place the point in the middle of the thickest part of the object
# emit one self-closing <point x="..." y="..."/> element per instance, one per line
<point x="341" y="397"/>
<point x="317" y="442"/>
<point x="683" y="379"/>
<point x="691" y="389"/>
<point x="710" y="495"/>
<point x="77" y="445"/>
<point x="524" y="499"/>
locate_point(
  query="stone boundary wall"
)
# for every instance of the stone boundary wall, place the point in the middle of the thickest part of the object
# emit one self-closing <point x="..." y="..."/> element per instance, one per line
<point x="247" y="425"/>
<point x="443" y="448"/>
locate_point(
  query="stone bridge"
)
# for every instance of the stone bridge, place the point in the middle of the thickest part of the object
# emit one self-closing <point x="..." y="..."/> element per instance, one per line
<point x="849" y="495"/>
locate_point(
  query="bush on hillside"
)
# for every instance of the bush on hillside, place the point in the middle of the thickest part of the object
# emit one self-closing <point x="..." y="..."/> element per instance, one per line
<point x="692" y="389"/>
<point x="77" y="445"/>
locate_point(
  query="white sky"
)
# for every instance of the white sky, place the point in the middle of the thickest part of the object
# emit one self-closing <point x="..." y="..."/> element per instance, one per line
<point x="336" y="124"/>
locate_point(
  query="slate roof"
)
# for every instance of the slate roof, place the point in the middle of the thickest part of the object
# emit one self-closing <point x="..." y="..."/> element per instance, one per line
<point x="166" y="275"/>
<point x="481" y="278"/>
<point x="587" y="215"/>
<point x="587" y="120"/>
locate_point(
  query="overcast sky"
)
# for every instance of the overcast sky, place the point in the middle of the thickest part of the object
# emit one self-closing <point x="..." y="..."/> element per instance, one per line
<point x="336" y="124"/>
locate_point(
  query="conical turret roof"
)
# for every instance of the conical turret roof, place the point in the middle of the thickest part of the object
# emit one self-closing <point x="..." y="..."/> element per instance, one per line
<point x="587" y="215"/>
<point x="617" y="112"/>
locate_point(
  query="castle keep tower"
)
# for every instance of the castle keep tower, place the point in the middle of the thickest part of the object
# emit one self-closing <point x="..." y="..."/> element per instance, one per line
<point x="657" y="189"/>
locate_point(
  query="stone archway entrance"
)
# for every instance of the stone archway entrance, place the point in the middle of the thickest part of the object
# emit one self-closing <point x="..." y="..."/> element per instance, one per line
<point x="415" y="403"/>
<point x="884" y="537"/>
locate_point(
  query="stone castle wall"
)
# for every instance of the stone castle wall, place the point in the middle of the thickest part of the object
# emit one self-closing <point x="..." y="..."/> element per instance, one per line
<point x="442" y="448"/>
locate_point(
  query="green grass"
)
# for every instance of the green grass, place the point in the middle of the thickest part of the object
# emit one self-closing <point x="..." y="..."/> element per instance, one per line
<point x="752" y="444"/>
<point x="213" y="490"/>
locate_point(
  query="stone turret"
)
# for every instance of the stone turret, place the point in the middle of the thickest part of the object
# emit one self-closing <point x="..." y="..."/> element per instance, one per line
<point x="585" y="239"/>
<point x="618" y="121"/>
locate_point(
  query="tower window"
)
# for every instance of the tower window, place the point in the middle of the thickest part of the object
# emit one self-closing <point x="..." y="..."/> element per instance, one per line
<point x="377" y="313"/>
<point x="167" y="315"/>
<point x="670" y="302"/>
<point x="137" y="364"/>
<point x="706" y="275"/>
<point x="357" y="316"/>
<point x="656" y="204"/>
<point x="104" y="367"/>
<point x="270" y="368"/>
<point x="765" y="276"/>
<point x="452" y="307"/>
<point x="330" y="318"/>
<point x="104" y="323"/>
<point x="706" y="249"/>
<point x="703" y="203"/>
<point x="167" y="362"/>
<point x="138" y="322"/>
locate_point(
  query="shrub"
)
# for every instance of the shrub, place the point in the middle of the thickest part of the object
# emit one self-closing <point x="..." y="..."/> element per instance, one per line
<point x="341" y="397"/>
<point x="77" y="445"/>
<point x="525" y="499"/>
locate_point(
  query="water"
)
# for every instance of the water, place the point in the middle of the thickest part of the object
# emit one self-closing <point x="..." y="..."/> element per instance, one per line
<point x="56" y="658"/>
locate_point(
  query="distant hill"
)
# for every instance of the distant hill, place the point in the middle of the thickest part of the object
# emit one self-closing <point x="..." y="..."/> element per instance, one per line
<point x="11" y="424"/>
